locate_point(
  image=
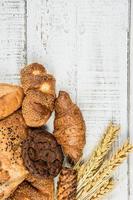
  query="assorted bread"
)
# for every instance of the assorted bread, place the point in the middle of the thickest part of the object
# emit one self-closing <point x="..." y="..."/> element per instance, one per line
<point x="30" y="156"/>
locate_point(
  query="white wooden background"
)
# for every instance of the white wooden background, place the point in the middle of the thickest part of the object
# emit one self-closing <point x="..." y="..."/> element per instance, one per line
<point x="88" y="46"/>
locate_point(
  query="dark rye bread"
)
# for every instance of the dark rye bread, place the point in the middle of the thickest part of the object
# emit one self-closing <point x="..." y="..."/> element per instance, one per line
<point x="42" y="154"/>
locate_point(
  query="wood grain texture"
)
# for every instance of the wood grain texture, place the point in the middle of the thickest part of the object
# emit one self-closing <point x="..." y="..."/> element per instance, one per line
<point x="102" y="73"/>
<point x="51" y="39"/>
<point x="12" y="39"/>
<point x="85" y="45"/>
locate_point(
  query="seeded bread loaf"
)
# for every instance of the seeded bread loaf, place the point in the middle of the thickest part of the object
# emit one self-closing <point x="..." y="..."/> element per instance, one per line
<point x="12" y="171"/>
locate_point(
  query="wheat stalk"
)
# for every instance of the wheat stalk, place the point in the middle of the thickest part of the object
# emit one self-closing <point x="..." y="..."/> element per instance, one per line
<point x="105" y="171"/>
<point x="91" y="166"/>
<point x="103" y="190"/>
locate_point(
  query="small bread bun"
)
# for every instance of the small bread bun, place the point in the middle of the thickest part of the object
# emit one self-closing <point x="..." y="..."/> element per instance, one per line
<point x="37" y="108"/>
<point x="11" y="97"/>
<point x="31" y="76"/>
<point x="39" y="89"/>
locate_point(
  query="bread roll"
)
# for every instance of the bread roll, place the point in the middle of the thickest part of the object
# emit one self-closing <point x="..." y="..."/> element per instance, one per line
<point x="11" y="97"/>
<point x="39" y="87"/>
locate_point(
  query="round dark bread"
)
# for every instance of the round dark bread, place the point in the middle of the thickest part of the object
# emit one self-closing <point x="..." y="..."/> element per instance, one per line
<point x="42" y="154"/>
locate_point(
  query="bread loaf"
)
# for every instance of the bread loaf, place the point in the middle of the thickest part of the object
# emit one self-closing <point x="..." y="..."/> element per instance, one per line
<point x="11" y="97"/>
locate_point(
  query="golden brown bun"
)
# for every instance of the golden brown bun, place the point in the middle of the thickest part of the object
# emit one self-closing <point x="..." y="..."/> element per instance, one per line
<point x="31" y="75"/>
<point x="37" y="108"/>
<point x="69" y="126"/>
<point x="12" y="171"/>
<point x="11" y="97"/>
<point x="39" y="88"/>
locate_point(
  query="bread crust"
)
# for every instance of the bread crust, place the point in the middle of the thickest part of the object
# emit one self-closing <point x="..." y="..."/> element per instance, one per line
<point x="31" y="75"/>
<point x="13" y="131"/>
<point x="11" y="97"/>
<point x="67" y="185"/>
<point x="39" y="87"/>
<point x="45" y="186"/>
<point x="26" y="191"/>
<point x="69" y="127"/>
<point x="37" y="108"/>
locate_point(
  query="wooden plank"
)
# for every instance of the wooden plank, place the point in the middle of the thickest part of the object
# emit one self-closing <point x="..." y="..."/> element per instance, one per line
<point x="85" y="45"/>
<point x="12" y="39"/>
<point x="102" y="73"/>
<point x="130" y="106"/>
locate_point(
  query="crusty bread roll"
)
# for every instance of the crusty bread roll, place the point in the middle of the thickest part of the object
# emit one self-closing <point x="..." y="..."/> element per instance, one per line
<point x="31" y="76"/>
<point x="39" y="89"/>
<point x="11" y="97"/>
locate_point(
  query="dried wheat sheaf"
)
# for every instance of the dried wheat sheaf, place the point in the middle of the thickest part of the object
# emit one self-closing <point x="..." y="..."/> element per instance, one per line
<point x="95" y="174"/>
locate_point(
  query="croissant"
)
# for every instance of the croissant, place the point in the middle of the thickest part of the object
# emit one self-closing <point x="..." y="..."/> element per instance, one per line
<point x="67" y="185"/>
<point x="69" y="126"/>
<point x="39" y="88"/>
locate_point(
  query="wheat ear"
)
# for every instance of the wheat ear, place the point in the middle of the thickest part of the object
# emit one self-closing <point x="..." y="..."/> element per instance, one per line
<point x="103" y="190"/>
<point x="105" y="171"/>
<point x="98" y="155"/>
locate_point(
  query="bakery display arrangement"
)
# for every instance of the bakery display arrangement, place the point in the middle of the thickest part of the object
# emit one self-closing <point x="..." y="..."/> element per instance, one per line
<point x="31" y="157"/>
